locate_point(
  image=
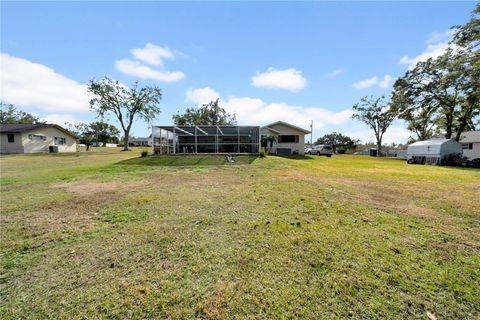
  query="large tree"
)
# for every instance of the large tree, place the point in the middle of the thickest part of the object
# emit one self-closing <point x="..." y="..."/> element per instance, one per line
<point x="11" y="115"/>
<point x="111" y="97"/>
<point x="337" y="141"/>
<point x="103" y="132"/>
<point x="210" y="114"/>
<point x="443" y="94"/>
<point x="377" y="114"/>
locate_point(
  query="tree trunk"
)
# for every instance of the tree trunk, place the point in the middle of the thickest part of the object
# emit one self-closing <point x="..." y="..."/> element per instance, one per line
<point x="125" y="141"/>
<point x="379" y="147"/>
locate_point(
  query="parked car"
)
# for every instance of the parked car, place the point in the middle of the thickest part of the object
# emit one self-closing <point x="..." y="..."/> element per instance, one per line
<point x="307" y="149"/>
<point x="322" y="150"/>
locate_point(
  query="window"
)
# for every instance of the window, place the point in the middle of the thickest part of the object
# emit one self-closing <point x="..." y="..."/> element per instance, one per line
<point x="467" y="146"/>
<point x="37" y="137"/>
<point x="11" y="138"/>
<point x="60" y="140"/>
<point x="288" y="139"/>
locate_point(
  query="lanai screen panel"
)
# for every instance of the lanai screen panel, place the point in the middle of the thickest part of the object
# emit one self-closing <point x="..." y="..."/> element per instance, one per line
<point x="206" y="139"/>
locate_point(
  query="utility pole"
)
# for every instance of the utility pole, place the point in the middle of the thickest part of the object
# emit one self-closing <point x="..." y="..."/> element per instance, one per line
<point x="311" y="134"/>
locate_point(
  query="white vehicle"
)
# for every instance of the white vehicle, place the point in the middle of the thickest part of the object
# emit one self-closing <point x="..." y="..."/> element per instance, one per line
<point x="322" y="150"/>
<point x="433" y="151"/>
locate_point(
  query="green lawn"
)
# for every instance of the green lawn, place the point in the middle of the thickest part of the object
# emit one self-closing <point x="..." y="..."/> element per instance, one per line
<point x="107" y="234"/>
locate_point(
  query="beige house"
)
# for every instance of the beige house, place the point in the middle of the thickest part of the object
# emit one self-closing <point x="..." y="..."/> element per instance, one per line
<point x="470" y="141"/>
<point x="289" y="139"/>
<point x="33" y="138"/>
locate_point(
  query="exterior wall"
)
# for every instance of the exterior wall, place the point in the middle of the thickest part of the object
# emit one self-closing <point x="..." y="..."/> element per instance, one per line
<point x="33" y="146"/>
<point x="9" y="147"/>
<point x="285" y="130"/>
<point x="474" y="152"/>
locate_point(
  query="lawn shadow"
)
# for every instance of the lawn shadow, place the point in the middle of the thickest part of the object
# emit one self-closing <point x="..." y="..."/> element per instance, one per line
<point x="188" y="160"/>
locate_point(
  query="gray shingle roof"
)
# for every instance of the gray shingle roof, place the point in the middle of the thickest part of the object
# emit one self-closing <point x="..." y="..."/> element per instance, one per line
<point x="20" y="128"/>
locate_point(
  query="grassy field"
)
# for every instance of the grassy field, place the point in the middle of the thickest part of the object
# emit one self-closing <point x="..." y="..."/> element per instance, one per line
<point x="106" y="234"/>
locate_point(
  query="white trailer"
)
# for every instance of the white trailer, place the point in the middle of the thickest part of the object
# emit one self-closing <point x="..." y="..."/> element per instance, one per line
<point x="433" y="151"/>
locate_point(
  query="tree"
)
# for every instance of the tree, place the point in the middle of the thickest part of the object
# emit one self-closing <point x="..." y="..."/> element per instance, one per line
<point x="377" y="114"/>
<point x="103" y="132"/>
<point x="111" y="97"/>
<point x="337" y="141"/>
<point x="441" y="92"/>
<point x="420" y="114"/>
<point x="210" y="114"/>
<point x="468" y="35"/>
<point x="10" y="114"/>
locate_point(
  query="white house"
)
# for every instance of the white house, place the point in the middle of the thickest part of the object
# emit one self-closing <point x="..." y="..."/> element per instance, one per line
<point x="289" y="139"/>
<point x="470" y="141"/>
<point x="141" y="141"/>
<point x="32" y="138"/>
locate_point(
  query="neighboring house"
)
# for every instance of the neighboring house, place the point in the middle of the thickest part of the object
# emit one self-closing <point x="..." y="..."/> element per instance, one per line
<point x="141" y="142"/>
<point x="288" y="138"/>
<point x="32" y="138"/>
<point x="470" y="141"/>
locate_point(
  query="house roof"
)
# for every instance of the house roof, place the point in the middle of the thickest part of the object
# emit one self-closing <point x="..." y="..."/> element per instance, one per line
<point x="470" y="137"/>
<point x="20" y="128"/>
<point x="287" y="125"/>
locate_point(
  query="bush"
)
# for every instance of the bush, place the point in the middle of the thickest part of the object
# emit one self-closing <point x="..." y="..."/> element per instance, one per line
<point x="263" y="153"/>
<point x="144" y="153"/>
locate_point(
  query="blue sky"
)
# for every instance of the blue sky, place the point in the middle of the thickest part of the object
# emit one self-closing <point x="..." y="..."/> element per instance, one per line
<point x="266" y="61"/>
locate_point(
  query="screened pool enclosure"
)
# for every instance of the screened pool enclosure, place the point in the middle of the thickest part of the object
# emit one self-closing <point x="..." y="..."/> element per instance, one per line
<point x="205" y="139"/>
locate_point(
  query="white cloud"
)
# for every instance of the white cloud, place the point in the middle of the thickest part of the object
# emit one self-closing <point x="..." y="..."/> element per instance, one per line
<point x="255" y="111"/>
<point x="335" y="72"/>
<point x="395" y="133"/>
<point x="362" y="84"/>
<point x="60" y="119"/>
<point x="33" y="85"/>
<point x="437" y="44"/>
<point x="385" y="81"/>
<point x="201" y="96"/>
<point x="152" y="54"/>
<point x="374" y="81"/>
<point x="136" y="69"/>
<point x="288" y="79"/>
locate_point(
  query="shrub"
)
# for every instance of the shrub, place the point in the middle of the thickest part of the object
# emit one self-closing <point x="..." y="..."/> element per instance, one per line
<point x="263" y="153"/>
<point x="144" y="153"/>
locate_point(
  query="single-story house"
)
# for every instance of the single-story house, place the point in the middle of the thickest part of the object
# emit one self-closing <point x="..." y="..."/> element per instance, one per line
<point x="32" y="138"/>
<point x="432" y="151"/>
<point x="141" y="141"/>
<point x="470" y="141"/>
<point x="287" y="139"/>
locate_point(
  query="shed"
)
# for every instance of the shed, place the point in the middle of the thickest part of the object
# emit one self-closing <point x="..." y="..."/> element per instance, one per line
<point x="433" y="151"/>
